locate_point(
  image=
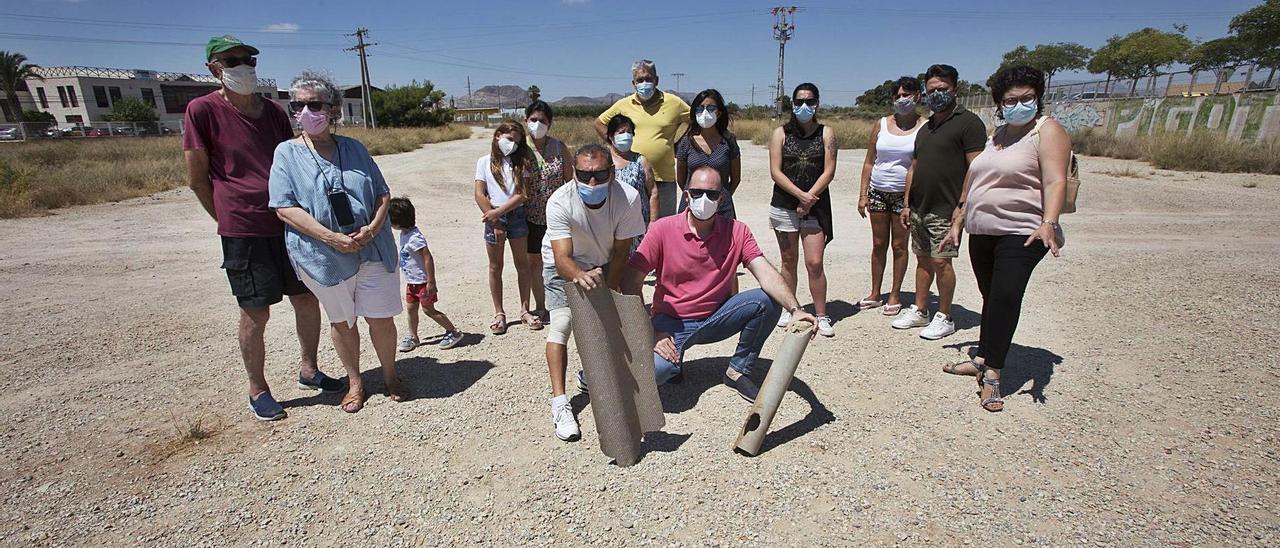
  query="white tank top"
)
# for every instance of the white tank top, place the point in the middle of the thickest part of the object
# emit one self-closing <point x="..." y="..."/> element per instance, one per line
<point x="893" y="157"/>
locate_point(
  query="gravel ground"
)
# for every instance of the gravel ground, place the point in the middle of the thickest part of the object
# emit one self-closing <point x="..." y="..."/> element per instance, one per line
<point x="1143" y="410"/>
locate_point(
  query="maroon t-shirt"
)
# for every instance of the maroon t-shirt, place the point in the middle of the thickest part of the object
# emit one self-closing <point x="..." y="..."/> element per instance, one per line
<point x="240" y="150"/>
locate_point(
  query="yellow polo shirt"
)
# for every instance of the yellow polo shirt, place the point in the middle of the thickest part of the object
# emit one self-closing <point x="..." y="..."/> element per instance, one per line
<point x="656" y="126"/>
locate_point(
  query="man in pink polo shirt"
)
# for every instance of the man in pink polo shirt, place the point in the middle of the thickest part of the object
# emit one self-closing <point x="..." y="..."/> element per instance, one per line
<point x="695" y="257"/>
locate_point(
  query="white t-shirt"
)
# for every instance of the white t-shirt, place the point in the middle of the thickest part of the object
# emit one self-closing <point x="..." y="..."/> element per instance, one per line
<point x="498" y="193"/>
<point x="593" y="230"/>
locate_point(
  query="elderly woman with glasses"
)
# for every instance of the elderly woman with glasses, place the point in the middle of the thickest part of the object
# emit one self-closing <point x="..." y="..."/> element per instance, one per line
<point x="332" y="196"/>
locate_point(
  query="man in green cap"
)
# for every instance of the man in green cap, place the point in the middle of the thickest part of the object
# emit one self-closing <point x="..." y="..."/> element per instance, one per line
<point x="229" y="139"/>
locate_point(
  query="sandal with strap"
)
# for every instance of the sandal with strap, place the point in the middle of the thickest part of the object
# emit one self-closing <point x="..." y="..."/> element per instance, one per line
<point x="954" y="368"/>
<point x="534" y="322"/>
<point x="499" y="325"/>
<point x="352" y="403"/>
<point x="993" y="403"/>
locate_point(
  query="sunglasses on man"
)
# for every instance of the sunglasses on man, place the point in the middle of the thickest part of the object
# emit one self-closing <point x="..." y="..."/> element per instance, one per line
<point x="695" y="193"/>
<point x="233" y="62"/>
<point x="313" y="106"/>
<point x="585" y="176"/>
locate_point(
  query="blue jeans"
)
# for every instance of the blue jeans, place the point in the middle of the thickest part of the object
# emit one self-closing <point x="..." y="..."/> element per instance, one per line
<point x="515" y="223"/>
<point x="751" y="313"/>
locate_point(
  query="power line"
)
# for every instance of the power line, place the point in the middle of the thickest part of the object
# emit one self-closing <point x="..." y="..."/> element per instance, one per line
<point x="366" y="90"/>
<point x="87" y="40"/>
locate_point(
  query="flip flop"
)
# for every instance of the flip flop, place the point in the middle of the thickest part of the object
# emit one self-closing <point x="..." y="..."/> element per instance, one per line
<point x="498" y="327"/>
<point x="534" y="322"/>
<point x="954" y="368"/>
<point x="867" y="305"/>
<point x="891" y="309"/>
<point x="352" y="404"/>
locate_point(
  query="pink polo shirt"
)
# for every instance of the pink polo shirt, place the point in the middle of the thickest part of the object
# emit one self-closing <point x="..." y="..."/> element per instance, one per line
<point x="695" y="276"/>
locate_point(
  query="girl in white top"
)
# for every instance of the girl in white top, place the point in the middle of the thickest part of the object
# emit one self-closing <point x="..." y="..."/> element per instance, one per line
<point x="501" y="188"/>
<point x="884" y="178"/>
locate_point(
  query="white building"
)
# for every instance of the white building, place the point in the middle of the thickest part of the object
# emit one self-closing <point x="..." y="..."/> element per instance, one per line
<point x="84" y="95"/>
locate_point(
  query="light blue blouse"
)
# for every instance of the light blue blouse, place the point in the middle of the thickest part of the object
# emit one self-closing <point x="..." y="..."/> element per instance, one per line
<point x="300" y="178"/>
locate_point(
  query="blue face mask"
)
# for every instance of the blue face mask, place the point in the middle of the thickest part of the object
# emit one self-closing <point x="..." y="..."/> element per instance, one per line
<point x="645" y="89"/>
<point x="1020" y="114"/>
<point x="593" y="195"/>
<point x="804" y="113"/>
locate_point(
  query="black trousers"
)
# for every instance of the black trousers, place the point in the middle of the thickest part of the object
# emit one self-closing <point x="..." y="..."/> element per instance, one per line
<point x="1002" y="266"/>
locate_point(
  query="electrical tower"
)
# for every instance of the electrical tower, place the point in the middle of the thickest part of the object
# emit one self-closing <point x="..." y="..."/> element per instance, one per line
<point x="366" y="90"/>
<point x="678" y="76"/>
<point x="783" y="27"/>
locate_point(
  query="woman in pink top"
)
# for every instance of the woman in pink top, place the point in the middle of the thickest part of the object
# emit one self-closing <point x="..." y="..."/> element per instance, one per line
<point x="1013" y="196"/>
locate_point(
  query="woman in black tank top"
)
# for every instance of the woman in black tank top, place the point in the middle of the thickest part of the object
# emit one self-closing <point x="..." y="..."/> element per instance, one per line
<point x="802" y="161"/>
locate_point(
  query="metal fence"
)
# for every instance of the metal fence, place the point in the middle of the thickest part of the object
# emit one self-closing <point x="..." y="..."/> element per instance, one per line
<point x="95" y="130"/>
<point x="1244" y="78"/>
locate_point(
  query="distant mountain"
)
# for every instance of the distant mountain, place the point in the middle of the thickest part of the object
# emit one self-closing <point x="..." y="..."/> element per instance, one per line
<point x="611" y="98"/>
<point x="494" y="96"/>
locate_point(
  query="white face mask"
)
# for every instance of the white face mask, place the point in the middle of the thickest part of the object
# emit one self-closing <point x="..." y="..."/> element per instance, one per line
<point x="703" y="207"/>
<point x="537" y="129"/>
<point x="706" y="119"/>
<point x="242" y="79"/>
<point x="507" y="146"/>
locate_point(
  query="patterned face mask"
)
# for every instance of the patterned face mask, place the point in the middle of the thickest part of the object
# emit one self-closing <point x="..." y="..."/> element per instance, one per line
<point x="939" y="100"/>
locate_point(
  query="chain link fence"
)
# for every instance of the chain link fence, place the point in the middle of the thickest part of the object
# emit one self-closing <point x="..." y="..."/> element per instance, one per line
<point x="1240" y="79"/>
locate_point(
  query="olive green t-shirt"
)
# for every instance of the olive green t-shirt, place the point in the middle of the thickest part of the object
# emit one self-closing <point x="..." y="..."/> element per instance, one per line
<point x="940" y="164"/>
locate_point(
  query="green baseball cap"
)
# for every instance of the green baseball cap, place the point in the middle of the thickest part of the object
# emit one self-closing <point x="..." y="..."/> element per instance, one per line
<point x="219" y="44"/>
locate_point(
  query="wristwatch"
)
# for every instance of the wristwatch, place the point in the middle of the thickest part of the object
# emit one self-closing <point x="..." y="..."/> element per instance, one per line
<point x="1052" y="224"/>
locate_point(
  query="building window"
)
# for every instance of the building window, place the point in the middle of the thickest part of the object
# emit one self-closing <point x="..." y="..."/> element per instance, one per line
<point x="44" y="101"/>
<point x="71" y="93"/>
<point x="75" y="119"/>
<point x="100" y="97"/>
<point x="149" y="97"/>
<point x="62" y="96"/>
<point x="115" y="94"/>
<point x="177" y="97"/>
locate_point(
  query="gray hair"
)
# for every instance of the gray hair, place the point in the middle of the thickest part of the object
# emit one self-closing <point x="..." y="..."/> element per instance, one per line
<point x="644" y="65"/>
<point x="593" y="150"/>
<point x="319" y="82"/>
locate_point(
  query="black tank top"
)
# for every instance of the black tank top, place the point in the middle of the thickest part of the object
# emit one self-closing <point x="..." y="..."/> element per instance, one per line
<point x="803" y="161"/>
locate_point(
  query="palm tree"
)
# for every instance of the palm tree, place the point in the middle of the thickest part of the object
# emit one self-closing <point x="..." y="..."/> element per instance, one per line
<point x="14" y="68"/>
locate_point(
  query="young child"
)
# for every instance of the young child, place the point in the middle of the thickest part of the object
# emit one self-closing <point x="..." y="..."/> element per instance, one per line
<point x="420" y="274"/>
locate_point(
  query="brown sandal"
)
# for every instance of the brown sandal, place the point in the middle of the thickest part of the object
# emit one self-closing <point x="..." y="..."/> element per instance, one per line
<point x="352" y="404"/>
<point x="499" y="325"/>
<point x="534" y="322"/>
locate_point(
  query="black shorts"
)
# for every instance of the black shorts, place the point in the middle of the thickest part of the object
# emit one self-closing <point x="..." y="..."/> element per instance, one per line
<point x="259" y="271"/>
<point x="534" y="241"/>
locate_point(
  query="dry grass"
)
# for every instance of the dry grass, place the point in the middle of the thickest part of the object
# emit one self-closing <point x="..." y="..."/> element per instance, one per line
<point x="1126" y="171"/>
<point x="850" y="132"/>
<point x="1196" y="152"/>
<point x="39" y="176"/>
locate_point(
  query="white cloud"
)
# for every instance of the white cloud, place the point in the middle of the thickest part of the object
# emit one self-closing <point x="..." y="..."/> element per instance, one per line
<point x="281" y="27"/>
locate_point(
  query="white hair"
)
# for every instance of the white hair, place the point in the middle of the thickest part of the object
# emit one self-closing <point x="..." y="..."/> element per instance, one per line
<point x="319" y="82"/>
<point x="644" y="65"/>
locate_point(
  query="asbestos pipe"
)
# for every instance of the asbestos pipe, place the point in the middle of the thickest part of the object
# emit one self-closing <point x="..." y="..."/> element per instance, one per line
<point x="774" y="387"/>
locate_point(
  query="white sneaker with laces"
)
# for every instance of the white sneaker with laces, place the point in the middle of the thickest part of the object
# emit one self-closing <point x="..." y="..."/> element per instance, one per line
<point x="909" y="318"/>
<point x="824" y="327"/>
<point x="562" y="417"/>
<point x="785" y="319"/>
<point x="407" y="343"/>
<point x="940" y="327"/>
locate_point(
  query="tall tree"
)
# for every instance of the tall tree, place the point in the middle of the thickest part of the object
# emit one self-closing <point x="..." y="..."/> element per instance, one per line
<point x="1150" y="49"/>
<point x="411" y="105"/>
<point x="1259" y="31"/>
<point x="14" y="68"/>
<point x="1049" y="58"/>
<point x="534" y="93"/>
<point x="879" y="96"/>
<point x="1221" y="56"/>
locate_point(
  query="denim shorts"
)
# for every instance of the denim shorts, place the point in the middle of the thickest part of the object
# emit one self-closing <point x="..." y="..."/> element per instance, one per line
<point x="515" y="224"/>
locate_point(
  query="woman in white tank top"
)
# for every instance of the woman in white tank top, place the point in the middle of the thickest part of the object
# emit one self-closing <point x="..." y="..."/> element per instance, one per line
<point x="884" y="178"/>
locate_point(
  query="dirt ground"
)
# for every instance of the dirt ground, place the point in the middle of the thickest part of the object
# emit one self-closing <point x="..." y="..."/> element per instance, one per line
<point x="1142" y="411"/>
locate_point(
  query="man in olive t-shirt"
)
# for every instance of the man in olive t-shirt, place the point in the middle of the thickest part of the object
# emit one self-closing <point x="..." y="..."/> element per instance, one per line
<point x="945" y="147"/>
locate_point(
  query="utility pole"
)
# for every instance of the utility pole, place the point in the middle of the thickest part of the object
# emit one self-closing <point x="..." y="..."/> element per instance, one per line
<point x="366" y="91"/>
<point x="783" y="27"/>
<point x="753" y="95"/>
<point x="470" y="102"/>
<point x="678" y="76"/>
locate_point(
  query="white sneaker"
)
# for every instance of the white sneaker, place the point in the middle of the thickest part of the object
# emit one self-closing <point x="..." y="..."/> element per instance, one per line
<point x="785" y="319"/>
<point x="938" y="328"/>
<point x="911" y="317"/>
<point x="562" y="418"/>
<point x="824" y="327"/>
<point x="407" y="343"/>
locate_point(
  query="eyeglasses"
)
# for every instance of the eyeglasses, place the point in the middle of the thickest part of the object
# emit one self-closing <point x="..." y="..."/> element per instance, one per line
<point x="1013" y="101"/>
<point x="696" y="193"/>
<point x="809" y="102"/>
<point x="585" y="176"/>
<point x="233" y="62"/>
<point x="704" y="108"/>
<point x="313" y="106"/>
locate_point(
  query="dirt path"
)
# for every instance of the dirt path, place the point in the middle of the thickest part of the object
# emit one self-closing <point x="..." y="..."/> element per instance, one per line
<point x="1144" y="408"/>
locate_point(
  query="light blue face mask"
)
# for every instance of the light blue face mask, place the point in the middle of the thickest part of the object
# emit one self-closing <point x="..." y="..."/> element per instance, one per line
<point x="645" y="89"/>
<point x="1020" y="114"/>
<point x="593" y="195"/>
<point x="804" y="113"/>
<point x="623" y="141"/>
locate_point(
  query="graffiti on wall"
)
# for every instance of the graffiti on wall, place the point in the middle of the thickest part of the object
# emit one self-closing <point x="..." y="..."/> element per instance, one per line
<point x="1241" y="116"/>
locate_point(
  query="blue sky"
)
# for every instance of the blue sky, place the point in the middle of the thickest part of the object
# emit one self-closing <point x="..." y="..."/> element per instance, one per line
<point x="585" y="47"/>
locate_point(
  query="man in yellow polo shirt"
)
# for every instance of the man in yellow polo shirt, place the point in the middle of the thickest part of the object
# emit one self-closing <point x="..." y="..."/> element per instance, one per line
<point x="658" y="118"/>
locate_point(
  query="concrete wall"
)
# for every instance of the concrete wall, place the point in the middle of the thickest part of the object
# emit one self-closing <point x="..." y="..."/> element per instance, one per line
<point x="1241" y="116"/>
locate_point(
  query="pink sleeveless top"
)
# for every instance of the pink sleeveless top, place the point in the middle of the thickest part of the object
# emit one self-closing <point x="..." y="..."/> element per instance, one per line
<point x="1005" y="190"/>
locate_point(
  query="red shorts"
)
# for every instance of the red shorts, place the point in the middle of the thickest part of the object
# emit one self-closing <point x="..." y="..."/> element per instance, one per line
<point x="417" y="293"/>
